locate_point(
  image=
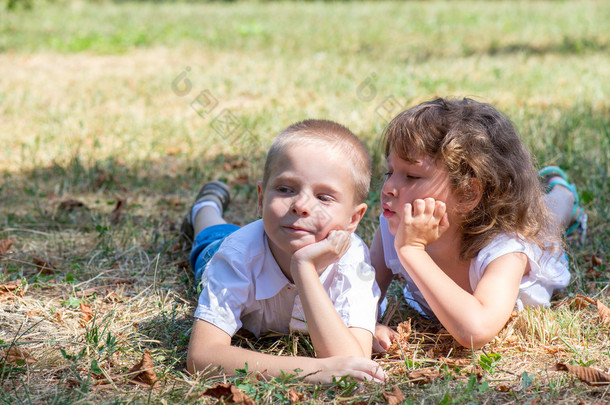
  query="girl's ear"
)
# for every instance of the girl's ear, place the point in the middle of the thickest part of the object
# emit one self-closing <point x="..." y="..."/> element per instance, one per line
<point x="472" y="196"/>
<point x="357" y="215"/>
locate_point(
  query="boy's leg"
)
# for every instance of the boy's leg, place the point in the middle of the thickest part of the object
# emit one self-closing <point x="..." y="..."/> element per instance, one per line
<point x="561" y="203"/>
<point x="214" y="196"/>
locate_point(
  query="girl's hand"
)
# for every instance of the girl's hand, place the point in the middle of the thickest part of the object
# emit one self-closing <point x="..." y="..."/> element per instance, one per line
<point x="357" y="367"/>
<point x="384" y="335"/>
<point x="422" y="223"/>
<point x="323" y="253"/>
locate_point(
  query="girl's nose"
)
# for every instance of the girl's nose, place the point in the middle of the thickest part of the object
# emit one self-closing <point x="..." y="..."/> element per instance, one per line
<point x="388" y="188"/>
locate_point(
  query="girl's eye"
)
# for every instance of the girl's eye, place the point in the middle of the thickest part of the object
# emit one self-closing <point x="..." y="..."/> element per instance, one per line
<point x="413" y="177"/>
<point x="325" y="198"/>
<point x="283" y="189"/>
<point x="387" y="175"/>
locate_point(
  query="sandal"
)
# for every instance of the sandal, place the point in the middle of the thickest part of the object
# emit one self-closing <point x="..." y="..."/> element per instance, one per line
<point x="212" y="191"/>
<point x="552" y="176"/>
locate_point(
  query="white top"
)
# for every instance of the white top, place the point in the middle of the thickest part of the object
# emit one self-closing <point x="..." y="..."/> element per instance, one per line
<point x="244" y="286"/>
<point x="548" y="269"/>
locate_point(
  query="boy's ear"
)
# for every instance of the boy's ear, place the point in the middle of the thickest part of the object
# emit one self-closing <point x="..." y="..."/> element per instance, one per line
<point x="357" y="215"/>
<point x="473" y="195"/>
<point x="259" y="191"/>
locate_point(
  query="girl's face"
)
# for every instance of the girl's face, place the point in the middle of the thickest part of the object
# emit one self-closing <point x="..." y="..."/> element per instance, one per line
<point x="406" y="182"/>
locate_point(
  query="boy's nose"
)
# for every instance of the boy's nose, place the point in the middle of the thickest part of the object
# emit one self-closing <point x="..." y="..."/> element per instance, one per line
<point x="300" y="205"/>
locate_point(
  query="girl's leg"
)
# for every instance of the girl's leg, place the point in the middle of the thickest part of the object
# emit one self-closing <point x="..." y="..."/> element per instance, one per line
<point x="561" y="203"/>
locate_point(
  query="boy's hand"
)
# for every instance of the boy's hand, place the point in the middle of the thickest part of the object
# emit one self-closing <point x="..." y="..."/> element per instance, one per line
<point x="422" y="223"/>
<point x="384" y="335"/>
<point x="357" y="367"/>
<point x="323" y="253"/>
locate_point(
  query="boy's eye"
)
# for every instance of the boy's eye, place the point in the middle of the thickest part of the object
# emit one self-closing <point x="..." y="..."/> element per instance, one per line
<point x="410" y="177"/>
<point x="387" y="175"/>
<point x="325" y="198"/>
<point x="283" y="189"/>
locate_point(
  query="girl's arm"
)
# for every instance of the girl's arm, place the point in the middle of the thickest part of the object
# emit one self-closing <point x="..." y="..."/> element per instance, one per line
<point x="210" y="347"/>
<point x="329" y="334"/>
<point x="473" y="319"/>
<point x="383" y="276"/>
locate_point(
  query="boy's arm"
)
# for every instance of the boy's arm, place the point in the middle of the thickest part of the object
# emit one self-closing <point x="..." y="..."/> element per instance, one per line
<point x="210" y="347"/>
<point x="329" y="334"/>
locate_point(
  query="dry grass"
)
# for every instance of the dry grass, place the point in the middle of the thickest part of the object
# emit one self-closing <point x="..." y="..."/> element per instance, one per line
<point x="103" y="124"/>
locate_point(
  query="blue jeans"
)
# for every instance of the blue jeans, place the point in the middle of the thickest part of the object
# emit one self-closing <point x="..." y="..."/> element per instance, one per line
<point x="206" y="244"/>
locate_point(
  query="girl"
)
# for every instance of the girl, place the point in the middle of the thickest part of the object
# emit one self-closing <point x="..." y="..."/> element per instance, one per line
<point x="465" y="221"/>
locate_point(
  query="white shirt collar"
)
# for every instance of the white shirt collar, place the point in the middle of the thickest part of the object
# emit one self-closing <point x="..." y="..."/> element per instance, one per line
<point x="271" y="279"/>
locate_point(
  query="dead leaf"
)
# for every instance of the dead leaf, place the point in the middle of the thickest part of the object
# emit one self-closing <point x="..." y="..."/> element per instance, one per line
<point x="423" y="375"/>
<point x="16" y="355"/>
<point x="70" y="205"/>
<point x="596" y="261"/>
<point x="87" y="313"/>
<point x="5" y="245"/>
<point x="587" y="375"/>
<point x="59" y="316"/>
<point x="503" y="388"/>
<point x="404" y="331"/>
<point x="229" y="394"/>
<point x="294" y="396"/>
<point x="11" y="290"/>
<point x="115" y="215"/>
<point x="44" y="266"/>
<point x="395" y="397"/>
<point x="604" y="313"/>
<point x="144" y="371"/>
<point x="577" y="302"/>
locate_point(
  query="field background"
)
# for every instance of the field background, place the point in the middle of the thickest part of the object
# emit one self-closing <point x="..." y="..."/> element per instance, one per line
<point x="112" y="115"/>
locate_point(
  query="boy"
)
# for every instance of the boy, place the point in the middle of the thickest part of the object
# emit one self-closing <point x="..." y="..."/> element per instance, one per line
<point x="300" y="267"/>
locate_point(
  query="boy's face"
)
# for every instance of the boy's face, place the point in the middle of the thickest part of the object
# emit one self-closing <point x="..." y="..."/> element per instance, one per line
<point x="310" y="192"/>
<point x="406" y="182"/>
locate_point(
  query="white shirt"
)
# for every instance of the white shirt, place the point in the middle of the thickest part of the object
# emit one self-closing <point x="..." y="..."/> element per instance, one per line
<point x="243" y="286"/>
<point x="548" y="269"/>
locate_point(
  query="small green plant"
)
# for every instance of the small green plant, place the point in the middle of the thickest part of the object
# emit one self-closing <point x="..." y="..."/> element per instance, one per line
<point x="489" y="361"/>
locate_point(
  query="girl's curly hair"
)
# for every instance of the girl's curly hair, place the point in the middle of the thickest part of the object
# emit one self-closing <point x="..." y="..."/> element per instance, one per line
<point x="474" y="140"/>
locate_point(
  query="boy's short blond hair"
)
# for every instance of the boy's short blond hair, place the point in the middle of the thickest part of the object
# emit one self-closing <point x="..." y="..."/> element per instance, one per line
<point x="327" y="134"/>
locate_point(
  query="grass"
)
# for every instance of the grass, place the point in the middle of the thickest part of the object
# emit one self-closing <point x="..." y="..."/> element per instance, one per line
<point x="93" y="108"/>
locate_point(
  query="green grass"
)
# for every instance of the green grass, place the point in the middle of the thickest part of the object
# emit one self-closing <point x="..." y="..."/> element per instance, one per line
<point x="90" y="109"/>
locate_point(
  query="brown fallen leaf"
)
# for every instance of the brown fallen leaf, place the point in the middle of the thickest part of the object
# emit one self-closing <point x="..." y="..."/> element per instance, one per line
<point x="577" y="302"/>
<point x="70" y="205"/>
<point x="596" y="261"/>
<point x="115" y="215"/>
<point x="143" y="372"/>
<point x="11" y="290"/>
<point x="5" y="245"/>
<point x="44" y="266"/>
<point x="16" y="355"/>
<point x="229" y="394"/>
<point x="404" y="332"/>
<point x="395" y="397"/>
<point x="423" y="375"/>
<point x="294" y="396"/>
<point x="588" y="375"/>
<point x="503" y="388"/>
<point x="604" y="313"/>
<point x="87" y="313"/>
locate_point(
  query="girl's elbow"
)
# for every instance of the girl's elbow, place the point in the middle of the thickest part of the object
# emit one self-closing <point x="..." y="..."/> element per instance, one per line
<point x="475" y="336"/>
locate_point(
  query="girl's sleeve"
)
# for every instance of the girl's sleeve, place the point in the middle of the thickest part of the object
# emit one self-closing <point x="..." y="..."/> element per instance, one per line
<point x="548" y="269"/>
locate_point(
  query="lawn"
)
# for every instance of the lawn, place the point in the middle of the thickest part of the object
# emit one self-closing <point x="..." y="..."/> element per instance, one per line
<point x="112" y="115"/>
